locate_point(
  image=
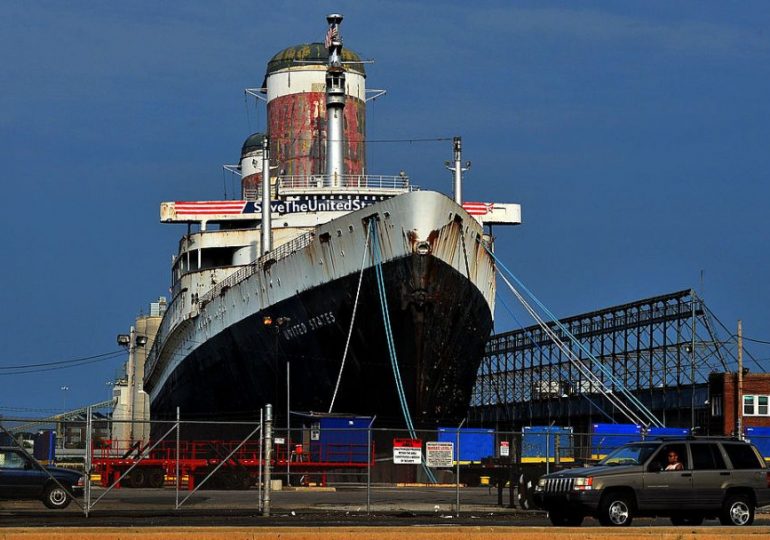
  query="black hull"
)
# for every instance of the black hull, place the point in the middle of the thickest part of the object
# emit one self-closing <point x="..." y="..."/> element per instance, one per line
<point x="440" y="323"/>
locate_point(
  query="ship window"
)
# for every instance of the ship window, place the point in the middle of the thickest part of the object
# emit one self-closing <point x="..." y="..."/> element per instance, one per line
<point x="387" y="215"/>
<point x="214" y="257"/>
<point x="325" y="238"/>
<point x="350" y="228"/>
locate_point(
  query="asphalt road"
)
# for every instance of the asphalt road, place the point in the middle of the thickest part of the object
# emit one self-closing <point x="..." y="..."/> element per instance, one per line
<point x="405" y="507"/>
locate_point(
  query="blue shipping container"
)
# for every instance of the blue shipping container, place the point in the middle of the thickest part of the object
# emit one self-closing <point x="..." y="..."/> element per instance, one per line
<point x="538" y="443"/>
<point x="475" y="444"/>
<point x="45" y="446"/>
<point x="343" y="439"/>
<point x="760" y="437"/>
<point x="607" y="437"/>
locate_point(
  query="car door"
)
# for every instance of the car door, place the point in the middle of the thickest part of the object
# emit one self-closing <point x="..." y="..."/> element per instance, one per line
<point x="710" y="475"/>
<point x="18" y="476"/>
<point x="667" y="489"/>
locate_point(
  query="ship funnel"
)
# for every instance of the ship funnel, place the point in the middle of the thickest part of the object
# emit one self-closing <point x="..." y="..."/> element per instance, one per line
<point x="335" y="101"/>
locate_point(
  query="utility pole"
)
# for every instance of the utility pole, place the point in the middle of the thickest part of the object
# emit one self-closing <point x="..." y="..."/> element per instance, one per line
<point x="692" y="365"/>
<point x="739" y="423"/>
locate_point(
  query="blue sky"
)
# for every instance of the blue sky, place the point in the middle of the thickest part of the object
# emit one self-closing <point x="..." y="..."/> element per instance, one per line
<point x="634" y="134"/>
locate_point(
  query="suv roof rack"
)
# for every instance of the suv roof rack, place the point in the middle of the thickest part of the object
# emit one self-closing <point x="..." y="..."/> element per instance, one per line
<point x="696" y="438"/>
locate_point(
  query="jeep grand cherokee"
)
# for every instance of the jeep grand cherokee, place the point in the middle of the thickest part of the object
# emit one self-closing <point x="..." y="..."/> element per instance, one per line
<point x="718" y="478"/>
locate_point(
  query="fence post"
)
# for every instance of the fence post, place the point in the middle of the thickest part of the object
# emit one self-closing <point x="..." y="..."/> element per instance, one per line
<point x="512" y="474"/>
<point x="556" y="457"/>
<point x="177" y="479"/>
<point x="369" y="466"/>
<point x="88" y="461"/>
<point x="268" y="457"/>
<point x="261" y="455"/>
<point x="457" y="473"/>
<point x="548" y="450"/>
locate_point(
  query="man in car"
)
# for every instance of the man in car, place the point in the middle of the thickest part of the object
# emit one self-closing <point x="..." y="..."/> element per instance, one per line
<point x="673" y="461"/>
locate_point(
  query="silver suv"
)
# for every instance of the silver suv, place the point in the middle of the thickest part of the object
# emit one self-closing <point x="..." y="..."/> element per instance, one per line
<point x="686" y="479"/>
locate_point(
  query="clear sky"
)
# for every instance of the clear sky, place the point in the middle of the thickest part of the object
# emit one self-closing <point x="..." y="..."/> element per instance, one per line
<point x="636" y="135"/>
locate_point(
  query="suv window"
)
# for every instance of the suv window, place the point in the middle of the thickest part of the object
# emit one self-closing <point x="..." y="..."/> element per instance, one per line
<point x="742" y="456"/>
<point x="706" y="457"/>
<point x="670" y="457"/>
<point x="632" y="454"/>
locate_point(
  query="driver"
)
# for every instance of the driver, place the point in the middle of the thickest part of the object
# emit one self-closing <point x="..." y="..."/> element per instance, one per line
<point x="673" y="461"/>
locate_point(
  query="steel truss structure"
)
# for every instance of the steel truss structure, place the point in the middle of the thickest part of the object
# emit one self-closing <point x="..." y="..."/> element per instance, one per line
<point x="661" y="349"/>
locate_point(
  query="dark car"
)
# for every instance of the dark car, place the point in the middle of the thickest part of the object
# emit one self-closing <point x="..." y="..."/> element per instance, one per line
<point x="22" y="478"/>
<point x="688" y="480"/>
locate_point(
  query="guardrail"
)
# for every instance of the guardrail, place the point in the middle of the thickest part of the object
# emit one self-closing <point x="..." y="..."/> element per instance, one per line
<point x="362" y="181"/>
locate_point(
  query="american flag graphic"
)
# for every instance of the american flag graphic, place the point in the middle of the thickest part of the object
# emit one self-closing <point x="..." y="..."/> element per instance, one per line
<point x="209" y="207"/>
<point x="331" y="35"/>
<point x="478" y="208"/>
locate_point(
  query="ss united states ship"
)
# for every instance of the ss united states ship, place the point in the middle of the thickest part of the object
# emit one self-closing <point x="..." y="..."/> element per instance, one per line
<point x="295" y="270"/>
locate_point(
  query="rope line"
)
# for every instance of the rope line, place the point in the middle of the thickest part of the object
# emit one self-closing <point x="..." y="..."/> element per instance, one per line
<point x="584" y="370"/>
<point x="377" y="255"/>
<point x="542" y="351"/>
<point x="352" y="318"/>
<point x="650" y="418"/>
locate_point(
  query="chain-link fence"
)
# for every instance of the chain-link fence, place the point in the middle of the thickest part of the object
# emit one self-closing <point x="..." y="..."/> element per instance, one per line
<point x="319" y="463"/>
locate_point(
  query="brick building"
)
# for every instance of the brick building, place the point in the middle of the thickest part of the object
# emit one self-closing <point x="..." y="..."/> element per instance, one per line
<point x="725" y="405"/>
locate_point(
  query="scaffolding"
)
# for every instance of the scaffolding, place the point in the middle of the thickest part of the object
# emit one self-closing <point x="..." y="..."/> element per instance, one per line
<point x="662" y="349"/>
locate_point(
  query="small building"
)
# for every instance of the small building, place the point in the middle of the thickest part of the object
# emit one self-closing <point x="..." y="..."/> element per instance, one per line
<point x="726" y="407"/>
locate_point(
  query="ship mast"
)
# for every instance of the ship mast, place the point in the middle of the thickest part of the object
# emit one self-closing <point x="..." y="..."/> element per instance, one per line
<point x="335" y="101"/>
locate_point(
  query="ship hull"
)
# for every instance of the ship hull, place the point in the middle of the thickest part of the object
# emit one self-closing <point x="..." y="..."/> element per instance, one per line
<point x="440" y="322"/>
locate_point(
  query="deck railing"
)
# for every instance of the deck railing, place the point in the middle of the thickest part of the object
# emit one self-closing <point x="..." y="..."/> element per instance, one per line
<point x="281" y="252"/>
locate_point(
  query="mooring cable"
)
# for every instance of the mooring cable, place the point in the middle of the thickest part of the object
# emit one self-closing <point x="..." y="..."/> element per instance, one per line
<point x="653" y="420"/>
<point x="352" y="319"/>
<point x="377" y="255"/>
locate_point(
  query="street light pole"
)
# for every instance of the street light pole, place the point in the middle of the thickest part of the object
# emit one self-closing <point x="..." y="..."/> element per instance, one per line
<point x="275" y="326"/>
<point x="131" y="341"/>
<point x="131" y="369"/>
<point x="64" y="390"/>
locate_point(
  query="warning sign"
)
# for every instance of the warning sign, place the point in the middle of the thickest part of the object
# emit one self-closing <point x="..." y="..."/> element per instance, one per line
<point x="407" y="451"/>
<point x="505" y="449"/>
<point x="439" y="454"/>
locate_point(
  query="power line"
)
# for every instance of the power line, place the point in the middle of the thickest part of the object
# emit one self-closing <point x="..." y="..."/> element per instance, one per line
<point x="66" y="366"/>
<point x="72" y="360"/>
<point x="762" y="341"/>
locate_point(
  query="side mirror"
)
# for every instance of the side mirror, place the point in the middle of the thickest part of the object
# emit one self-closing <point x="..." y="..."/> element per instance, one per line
<point x="655" y="466"/>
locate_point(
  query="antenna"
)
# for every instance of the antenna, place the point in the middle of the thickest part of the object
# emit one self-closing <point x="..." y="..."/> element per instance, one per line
<point x="458" y="169"/>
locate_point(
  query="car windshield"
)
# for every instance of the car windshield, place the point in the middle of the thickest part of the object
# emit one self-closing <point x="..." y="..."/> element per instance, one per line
<point x="632" y="454"/>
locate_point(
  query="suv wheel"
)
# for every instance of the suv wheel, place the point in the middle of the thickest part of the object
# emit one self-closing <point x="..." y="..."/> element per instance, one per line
<point x="565" y="519"/>
<point x="56" y="498"/>
<point x="616" y="510"/>
<point x="737" y="510"/>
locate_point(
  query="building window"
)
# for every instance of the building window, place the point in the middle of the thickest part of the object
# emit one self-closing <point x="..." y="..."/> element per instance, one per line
<point x="716" y="405"/>
<point x="762" y="409"/>
<point x="748" y="405"/>
<point x="754" y="405"/>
